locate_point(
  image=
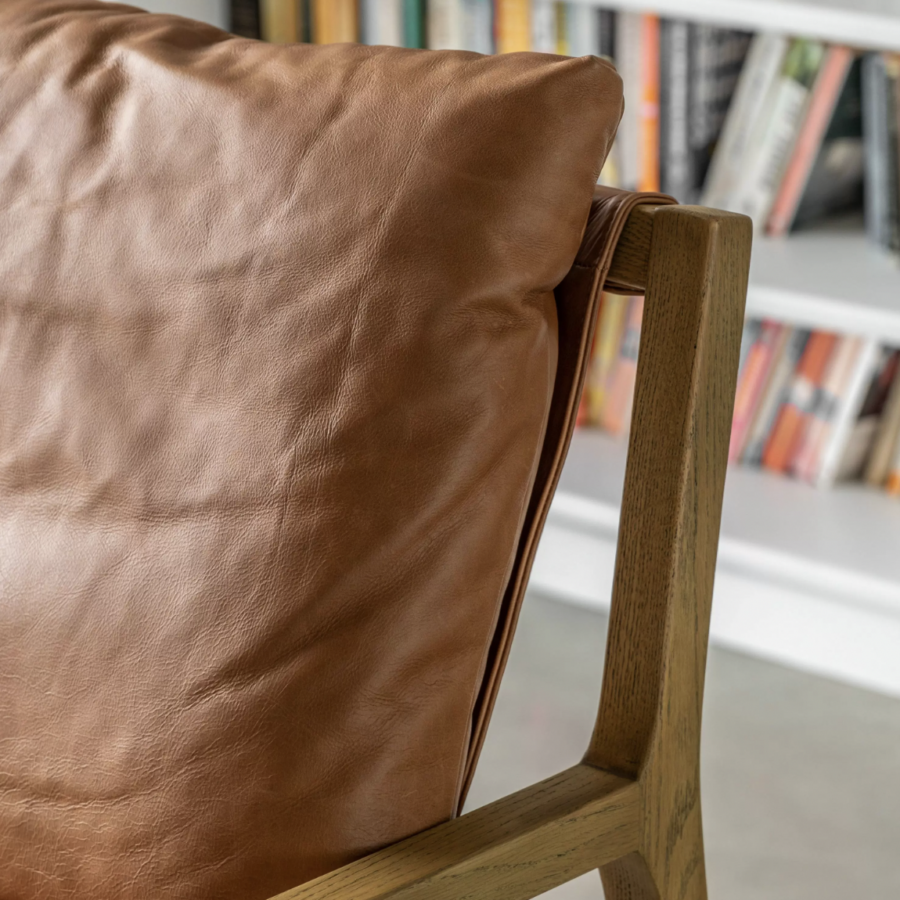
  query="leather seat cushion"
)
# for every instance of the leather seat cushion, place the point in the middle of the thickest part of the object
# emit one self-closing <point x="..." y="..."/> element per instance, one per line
<point x="278" y="343"/>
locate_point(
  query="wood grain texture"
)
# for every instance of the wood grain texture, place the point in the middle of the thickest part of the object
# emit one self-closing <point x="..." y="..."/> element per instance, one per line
<point x="514" y="849"/>
<point x="650" y="710"/>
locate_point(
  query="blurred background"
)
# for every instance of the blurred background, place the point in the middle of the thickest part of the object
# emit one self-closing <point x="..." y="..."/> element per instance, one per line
<point x="786" y="110"/>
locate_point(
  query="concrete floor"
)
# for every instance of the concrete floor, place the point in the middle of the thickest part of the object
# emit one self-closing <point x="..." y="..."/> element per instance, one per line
<point x="801" y="776"/>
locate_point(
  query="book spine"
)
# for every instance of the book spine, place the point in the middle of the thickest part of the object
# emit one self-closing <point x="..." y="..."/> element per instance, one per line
<point x="787" y="435"/>
<point x="543" y="26"/>
<point x="414" y="23"/>
<point x="513" y="25"/>
<point x="444" y="23"/>
<point x="875" y="140"/>
<point x="887" y="439"/>
<point x="562" y="29"/>
<point x="279" y="21"/>
<point x="629" y="53"/>
<point x="245" y="18"/>
<point x="892" y="483"/>
<point x="583" y="30"/>
<point x="617" y="410"/>
<point x="478" y="26"/>
<point x="834" y="384"/>
<point x="892" y="184"/>
<point x="776" y="394"/>
<point x="675" y="173"/>
<point x="758" y="77"/>
<point x="777" y="132"/>
<point x="847" y="413"/>
<point x="606" y="351"/>
<point x="823" y="100"/>
<point x="648" y="122"/>
<point x="606" y="37"/>
<point x="750" y="385"/>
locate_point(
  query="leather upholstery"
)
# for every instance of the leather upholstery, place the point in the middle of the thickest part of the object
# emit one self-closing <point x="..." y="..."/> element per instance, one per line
<point x="280" y="415"/>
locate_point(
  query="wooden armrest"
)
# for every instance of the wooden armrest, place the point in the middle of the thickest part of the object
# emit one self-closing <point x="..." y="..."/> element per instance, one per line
<point x="641" y="826"/>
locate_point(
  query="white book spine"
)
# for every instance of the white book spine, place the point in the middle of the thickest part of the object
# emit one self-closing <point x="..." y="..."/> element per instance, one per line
<point x="847" y="413"/>
<point x="583" y="29"/>
<point x="445" y="25"/>
<point x="478" y="25"/>
<point x="628" y="57"/>
<point x="758" y="80"/>
<point x="543" y="26"/>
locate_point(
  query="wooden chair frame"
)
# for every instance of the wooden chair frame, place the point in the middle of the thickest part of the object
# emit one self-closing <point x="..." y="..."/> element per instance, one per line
<point x="632" y="807"/>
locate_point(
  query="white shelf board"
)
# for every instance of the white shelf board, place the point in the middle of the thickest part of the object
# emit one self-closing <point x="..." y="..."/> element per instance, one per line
<point x="869" y="24"/>
<point x="829" y="277"/>
<point x="805" y="577"/>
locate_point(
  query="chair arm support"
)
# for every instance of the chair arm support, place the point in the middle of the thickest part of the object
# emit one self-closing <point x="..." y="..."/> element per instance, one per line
<point x="513" y="849"/>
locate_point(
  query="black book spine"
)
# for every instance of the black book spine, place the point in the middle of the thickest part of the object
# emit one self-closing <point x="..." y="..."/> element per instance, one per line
<point x="245" y="18"/>
<point x="675" y="169"/>
<point x="606" y="41"/>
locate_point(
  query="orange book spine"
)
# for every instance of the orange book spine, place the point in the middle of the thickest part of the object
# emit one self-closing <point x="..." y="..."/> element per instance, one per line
<point x="512" y="25"/>
<point x="789" y="427"/>
<point x="825" y="96"/>
<point x="753" y="379"/>
<point x="335" y="21"/>
<point x="648" y="115"/>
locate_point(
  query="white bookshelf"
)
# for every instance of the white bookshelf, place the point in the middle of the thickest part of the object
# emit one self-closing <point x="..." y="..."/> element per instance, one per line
<point x="829" y="277"/>
<point x="872" y="24"/>
<point x="805" y="577"/>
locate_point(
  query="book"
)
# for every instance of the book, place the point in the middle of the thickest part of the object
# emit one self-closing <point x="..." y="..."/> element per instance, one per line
<point x="616" y="414"/>
<point x="334" y="21"/>
<point x="606" y="33"/>
<point x="811" y="146"/>
<point x="762" y="355"/>
<point x="606" y="350"/>
<point x="676" y="175"/>
<point x="562" y="29"/>
<point x="444" y="24"/>
<point x="478" y="25"/>
<point x="512" y="25"/>
<point x="774" y="134"/>
<point x="835" y="458"/>
<point x="787" y="432"/>
<point x="280" y="21"/>
<point x="543" y="26"/>
<point x="837" y="375"/>
<point x="892" y="484"/>
<point x="648" y="113"/>
<point x="892" y="186"/>
<point x="381" y="22"/>
<point x="775" y="395"/>
<point x="887" y="439"/>
<point x="758" y="79"/>
<point x="862" y="436"/>
<point x="245" y="18"/>
<point x="876" y="142"/>
<point x="629" y="56"/>
<point x="717" y="59"/>
<point x="413" y="23"/>
<point x="582" y="30"/>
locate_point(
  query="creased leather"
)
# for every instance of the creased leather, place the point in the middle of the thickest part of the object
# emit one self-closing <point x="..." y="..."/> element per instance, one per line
<point x="278" y="348"/>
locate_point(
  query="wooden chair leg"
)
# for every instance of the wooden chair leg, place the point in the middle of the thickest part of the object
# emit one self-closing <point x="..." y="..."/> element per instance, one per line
<point x="649" y="721"/>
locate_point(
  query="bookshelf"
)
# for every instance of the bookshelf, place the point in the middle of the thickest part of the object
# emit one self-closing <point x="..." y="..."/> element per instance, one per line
<point x="871" y="24"/>
<point x="829" y="277"/>
<point x="215" y="12"/>
<point x="806" y="578"/>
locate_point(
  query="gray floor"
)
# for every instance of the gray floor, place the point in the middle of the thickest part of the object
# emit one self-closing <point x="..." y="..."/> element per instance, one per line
<point x="801" y="776"/>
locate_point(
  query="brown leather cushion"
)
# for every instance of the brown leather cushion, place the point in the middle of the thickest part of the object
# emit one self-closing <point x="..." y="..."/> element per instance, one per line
<point x="277" y="348"/>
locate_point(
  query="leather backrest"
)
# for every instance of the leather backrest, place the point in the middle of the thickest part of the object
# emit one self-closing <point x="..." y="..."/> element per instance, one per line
<point x="278" y="351"/>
